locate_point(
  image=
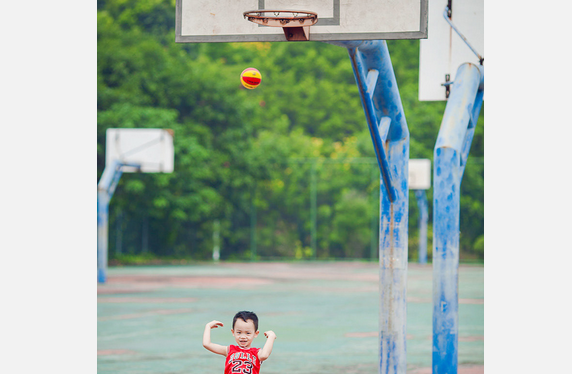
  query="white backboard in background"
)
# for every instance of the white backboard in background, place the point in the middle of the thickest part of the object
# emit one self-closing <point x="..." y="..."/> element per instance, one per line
<point x="223" y="20"/>
<point x="444" y="51"/>
<point x="419" y="174"/>
<point x="150" y="148"/>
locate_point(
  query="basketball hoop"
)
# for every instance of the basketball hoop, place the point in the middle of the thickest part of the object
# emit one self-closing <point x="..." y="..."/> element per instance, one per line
<point x="295" y="24"/>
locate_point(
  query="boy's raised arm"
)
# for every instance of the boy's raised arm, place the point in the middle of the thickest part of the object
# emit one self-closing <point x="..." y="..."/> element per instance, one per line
<point x="215" y="348"/>
<point x="267" y="349"/>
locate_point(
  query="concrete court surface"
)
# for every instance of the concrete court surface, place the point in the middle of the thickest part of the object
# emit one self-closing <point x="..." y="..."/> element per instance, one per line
<point x="325" y="315"/>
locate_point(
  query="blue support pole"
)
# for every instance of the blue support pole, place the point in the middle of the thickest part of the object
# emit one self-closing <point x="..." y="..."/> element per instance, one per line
<point x="102" y="234"/>
<point x="450" y="156"/>
<point x="380" y="98"/>
<point x="421" y="197"/>
<point x="105" y="189"/>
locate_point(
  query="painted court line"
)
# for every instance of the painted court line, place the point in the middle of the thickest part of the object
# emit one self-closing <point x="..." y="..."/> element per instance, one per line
<point x="146" y="314"/>
<point x="146" y="300"/>
<point x="375" y="334"/>
<point x="421" y="300"/>
<point x="109" y="352"/>
<point x="139" y="333"/>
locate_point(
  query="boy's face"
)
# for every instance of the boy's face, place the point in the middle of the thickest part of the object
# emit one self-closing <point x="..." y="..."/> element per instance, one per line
<point x="244" y="333"/>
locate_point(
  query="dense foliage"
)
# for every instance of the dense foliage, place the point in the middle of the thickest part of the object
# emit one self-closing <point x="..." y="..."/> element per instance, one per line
<point x="254" y="160"/>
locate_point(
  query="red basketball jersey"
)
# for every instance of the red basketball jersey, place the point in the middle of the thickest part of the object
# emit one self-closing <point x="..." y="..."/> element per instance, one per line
<point x="242" y="361"/>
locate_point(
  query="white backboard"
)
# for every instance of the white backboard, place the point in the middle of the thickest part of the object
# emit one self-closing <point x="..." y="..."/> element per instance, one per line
<point x="419" y="174"/>
<point x="223" y="20"/>
<point x="150" y="148"/>
<point x="444" y="50"/>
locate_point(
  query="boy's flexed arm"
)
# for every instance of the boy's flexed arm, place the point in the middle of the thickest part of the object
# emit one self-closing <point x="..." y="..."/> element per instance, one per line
<point x="267" y="349"/>
<point x="215" y="348"/>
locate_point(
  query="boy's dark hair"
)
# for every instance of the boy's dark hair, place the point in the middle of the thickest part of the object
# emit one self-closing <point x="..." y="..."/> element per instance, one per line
<point x="245" y="316"/>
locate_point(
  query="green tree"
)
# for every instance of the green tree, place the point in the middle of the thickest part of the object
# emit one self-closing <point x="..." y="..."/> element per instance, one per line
<point x="238" y="149"/>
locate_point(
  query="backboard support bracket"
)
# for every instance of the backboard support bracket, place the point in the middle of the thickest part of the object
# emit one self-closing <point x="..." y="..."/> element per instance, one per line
<point x="296" y="34"/>
<point x="447" y="85"/>
<point x="447" y="14"/>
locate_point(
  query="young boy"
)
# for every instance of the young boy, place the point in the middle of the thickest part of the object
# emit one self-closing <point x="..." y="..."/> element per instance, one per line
<point x="241" y="358"/>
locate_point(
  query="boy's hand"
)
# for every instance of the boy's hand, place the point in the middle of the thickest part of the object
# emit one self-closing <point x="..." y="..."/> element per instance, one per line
<point x="214" y="324"/>
<point x="270" y="335"/>
<point x="267" y="349"/>
<point x="215" y="348"/>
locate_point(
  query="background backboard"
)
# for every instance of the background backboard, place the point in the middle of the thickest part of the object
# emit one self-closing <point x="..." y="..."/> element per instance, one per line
<point x="150" y="148"/>
<point x="223" y="20"/>
<point x="419" y="174"/>
<point x="444" y="51"/>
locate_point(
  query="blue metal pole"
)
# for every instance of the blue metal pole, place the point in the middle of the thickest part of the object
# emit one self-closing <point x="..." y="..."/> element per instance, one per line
<point x="423" y="218"/>
<point x="102" y="234"/>
<point x="450" y="155"/>
<point x="380" y="97"/>
<point x="105" y="189"/>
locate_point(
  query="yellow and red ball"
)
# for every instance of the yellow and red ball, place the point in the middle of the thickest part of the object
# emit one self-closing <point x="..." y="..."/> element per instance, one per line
<point x="250" y="78"/>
